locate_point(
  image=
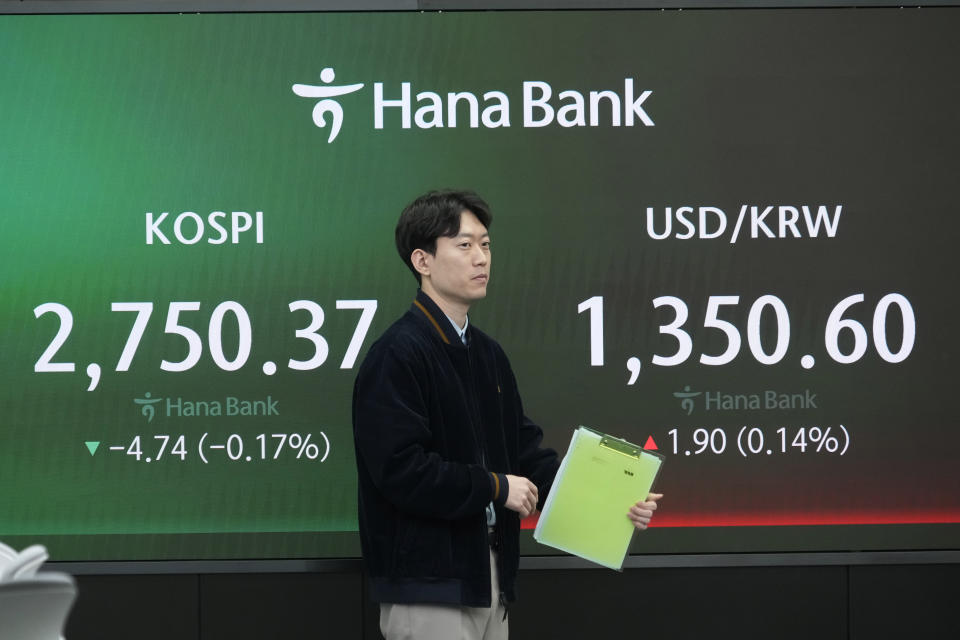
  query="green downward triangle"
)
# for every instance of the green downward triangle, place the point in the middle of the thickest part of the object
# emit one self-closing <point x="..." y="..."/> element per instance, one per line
<point x="92" y="446"/>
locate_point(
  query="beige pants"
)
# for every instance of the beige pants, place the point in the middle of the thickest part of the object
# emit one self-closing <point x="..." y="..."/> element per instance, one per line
<point x="447" y="622"/>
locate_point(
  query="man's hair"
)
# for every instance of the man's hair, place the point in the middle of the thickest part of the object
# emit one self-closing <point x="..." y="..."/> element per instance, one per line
<point x="433" y="215"/>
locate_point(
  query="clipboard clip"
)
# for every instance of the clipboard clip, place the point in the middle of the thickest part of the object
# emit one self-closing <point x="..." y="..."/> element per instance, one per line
<point x="621" y="446"/>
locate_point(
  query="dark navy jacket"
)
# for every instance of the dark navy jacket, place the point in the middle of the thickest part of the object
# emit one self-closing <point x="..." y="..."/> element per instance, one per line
<point x="437" y="425"/>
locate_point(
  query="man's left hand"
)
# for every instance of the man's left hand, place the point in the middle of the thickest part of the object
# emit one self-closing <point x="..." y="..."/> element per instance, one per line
<point x="641" y="512"/>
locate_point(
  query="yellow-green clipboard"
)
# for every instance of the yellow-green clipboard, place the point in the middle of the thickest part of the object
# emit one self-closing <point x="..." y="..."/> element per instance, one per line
<point x="600" y="478"/>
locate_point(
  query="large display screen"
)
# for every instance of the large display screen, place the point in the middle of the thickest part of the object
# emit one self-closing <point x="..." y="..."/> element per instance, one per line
<point x="726" y="235"/>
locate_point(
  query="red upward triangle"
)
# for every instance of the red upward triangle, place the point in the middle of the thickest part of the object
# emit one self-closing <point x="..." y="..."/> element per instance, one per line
<point x="650" y="444"/>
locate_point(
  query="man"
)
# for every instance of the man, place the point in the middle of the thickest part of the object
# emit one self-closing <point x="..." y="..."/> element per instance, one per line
<point x="447" y="461"/>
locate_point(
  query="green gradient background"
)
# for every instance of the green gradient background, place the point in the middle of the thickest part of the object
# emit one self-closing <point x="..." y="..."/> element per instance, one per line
<point x="103" y="118"/>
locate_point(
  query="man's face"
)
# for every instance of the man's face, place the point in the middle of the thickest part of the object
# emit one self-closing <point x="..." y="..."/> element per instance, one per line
<point x="460" y="268"/>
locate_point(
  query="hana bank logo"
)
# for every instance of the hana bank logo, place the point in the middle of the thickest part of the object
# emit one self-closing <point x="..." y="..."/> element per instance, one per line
<point x="146" y="405"/>
<point x="326" y="105"/>
<point x="540" y="105"/>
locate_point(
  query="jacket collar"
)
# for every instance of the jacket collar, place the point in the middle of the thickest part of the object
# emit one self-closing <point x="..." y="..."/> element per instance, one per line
<point x="424" y="307"/>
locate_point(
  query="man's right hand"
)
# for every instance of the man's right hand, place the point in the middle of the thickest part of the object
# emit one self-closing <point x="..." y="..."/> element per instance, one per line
<point x="522" y="496"/>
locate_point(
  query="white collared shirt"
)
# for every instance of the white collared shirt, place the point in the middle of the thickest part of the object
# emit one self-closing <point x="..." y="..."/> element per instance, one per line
<point x="461" y="332"/>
